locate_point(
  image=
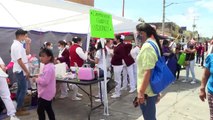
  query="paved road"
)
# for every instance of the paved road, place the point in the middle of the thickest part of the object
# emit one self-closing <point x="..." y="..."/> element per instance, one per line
<point x="180" y="102"/>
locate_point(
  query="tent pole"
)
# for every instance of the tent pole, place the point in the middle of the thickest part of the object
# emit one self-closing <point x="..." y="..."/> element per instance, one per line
<point x="106" y="106"/>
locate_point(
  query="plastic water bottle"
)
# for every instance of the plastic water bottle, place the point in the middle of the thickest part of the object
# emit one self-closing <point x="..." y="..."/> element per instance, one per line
<point x="34" y="66"/>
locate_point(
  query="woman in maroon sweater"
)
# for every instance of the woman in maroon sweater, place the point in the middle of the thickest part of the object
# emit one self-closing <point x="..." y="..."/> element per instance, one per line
<point x="63" y="56"/>
<point x="117" y="63"/>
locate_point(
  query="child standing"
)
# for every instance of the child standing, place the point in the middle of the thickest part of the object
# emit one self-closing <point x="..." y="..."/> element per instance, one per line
<point x="46" y="83"/>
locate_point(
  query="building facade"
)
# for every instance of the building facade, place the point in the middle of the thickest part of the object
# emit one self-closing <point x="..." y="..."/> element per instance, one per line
<point x="85" y="2"/>
<point x="170" y="29"/>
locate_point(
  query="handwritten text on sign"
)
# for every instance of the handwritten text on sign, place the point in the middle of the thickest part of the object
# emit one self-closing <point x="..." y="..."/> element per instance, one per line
<point x="101" y="24"/>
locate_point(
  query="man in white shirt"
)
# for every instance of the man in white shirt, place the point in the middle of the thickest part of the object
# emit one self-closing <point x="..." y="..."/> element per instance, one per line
<point x="20" y="68"/>
<point x="5" y="94"/>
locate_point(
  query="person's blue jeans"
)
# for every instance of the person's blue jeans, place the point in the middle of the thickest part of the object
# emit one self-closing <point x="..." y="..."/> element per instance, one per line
<point x="22" y="89"/>
<point x="149" y="109"/>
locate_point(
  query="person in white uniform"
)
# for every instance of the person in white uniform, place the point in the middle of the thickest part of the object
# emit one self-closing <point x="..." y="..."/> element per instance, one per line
<point x="134" y="53"/>
<point x="5" y="94"/>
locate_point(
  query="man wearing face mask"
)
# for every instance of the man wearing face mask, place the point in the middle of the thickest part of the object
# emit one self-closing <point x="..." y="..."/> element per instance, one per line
<point x="77" y="54"/>
<point x="20" y="68"/>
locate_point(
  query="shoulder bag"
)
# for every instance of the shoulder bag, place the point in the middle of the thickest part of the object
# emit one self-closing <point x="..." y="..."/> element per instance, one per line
<point x="161" y="76"/>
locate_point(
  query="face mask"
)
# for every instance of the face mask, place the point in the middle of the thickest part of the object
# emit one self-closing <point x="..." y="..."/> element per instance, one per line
<point x="50" y="47"/>
<point x="80" y="44"/>
<point x="59" y="48"/>
<point x="139" y="37"/>
<point x="23" y="42"/>
<point x="67" y="46"/>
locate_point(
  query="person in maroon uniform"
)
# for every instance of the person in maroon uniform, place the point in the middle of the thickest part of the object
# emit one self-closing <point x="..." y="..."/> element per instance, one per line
<point x="77" y="54"/>
<point x="77" y="58"/>
<point x="117" y="63"/>
<point x="63" y="57"/>
<point x="128" y="69"/>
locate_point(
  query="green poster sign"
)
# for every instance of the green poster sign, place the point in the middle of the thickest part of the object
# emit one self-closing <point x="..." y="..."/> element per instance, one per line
<point x="101" y="24"/>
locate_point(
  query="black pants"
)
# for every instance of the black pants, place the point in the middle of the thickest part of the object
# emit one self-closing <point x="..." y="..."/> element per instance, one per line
<point x="44" y="105"/>
<point x="202" y="59"/>
<point x="178" y="71"/>
<point x="198" y="58"/>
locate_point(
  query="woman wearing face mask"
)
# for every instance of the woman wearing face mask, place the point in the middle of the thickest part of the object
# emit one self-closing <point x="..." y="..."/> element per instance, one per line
<point x="63" y="55"/>
<point x="117" y="63"/>
<point x="69" y="44"/>
<point x="108" y="46"/>
<point x="146" y="61"/>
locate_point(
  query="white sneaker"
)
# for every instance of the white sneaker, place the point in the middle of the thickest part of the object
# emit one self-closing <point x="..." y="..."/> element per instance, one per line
<point x="79" y="94"/>
<point x="97" y="100"/>
<point x="132" y="90"/>
<point x="115" y="96"/>
<point x="193" y="82"/>
<point x="14" y="118"/>
<point x="184" y="81"/>
<point x="76" y="99"/>
<point x="63" y="96"/>
<point x="124" y="88"/>
<point x="97" y="96"/>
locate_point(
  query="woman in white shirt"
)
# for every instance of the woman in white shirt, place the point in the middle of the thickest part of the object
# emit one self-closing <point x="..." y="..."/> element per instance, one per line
<point x="99" y="63"/>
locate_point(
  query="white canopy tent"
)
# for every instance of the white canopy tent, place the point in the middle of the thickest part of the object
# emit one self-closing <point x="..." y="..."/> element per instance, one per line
<point x="126" y="27"/>
<point x="53" y="15"/>
<point x="48" y="15"/>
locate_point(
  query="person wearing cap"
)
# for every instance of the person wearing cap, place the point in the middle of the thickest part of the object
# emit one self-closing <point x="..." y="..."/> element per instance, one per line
<point x="20" y="68"/>
<point x="117" y="63"/>
<point x="48" y="45"/>
<point x="5" y="94"/>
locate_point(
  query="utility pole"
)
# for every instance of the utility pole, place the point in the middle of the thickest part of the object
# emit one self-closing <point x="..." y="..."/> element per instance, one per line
<point x="163" y="21"/>
<point x="194" y="26"/>
<point x="123" y="8"/>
